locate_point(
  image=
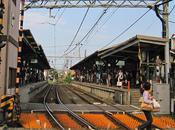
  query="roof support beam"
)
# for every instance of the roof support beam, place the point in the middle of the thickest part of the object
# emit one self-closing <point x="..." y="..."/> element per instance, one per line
<point x="120" y="49"/>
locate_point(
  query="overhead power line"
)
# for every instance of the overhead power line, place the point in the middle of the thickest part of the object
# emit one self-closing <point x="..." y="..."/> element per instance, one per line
<point x="105" y="21"/>
<point x="79" y="43"/>
<point x="58" y="19"/>
<point x="67" y="57"/>
<point x="172" y="9"/>
<point x="126" y="29"/>
<point x="171" y="21"/>
<point x="77" y="30"/>
<point x="108" y="18"/>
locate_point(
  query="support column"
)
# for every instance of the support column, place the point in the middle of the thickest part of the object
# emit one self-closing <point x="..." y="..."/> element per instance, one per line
<point x="165" y="34"/>
<point x="140" y="63"/>
<point x="147" y="67"/>
<point x="19" y="62"/>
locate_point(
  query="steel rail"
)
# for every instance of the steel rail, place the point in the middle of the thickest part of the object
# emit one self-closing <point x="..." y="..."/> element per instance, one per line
<point x="76" y="116"/>
<point x="49" y="111"/>
<point x="110" y="115"/>
<point x="106" y="113"/>
<point x="82" y="97"/>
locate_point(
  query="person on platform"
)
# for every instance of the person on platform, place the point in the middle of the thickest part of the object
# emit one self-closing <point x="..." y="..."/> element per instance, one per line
<point x="147" y="99"/>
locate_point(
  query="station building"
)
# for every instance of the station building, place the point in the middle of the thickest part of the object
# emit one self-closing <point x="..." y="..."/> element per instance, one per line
<point x="138" y="59"/>
<point x="33" y="57"/>
<point x="8" y="54"/>
<point x="35" y="63"/>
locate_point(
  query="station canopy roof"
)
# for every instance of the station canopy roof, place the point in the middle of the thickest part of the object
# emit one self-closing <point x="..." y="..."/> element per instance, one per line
<point x="31" y="50"/>
<point x="125" y="49"/>
<point x="93" y="56"/>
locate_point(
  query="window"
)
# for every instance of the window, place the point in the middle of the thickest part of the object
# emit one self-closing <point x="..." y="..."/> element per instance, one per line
<point x="12" y="77"/>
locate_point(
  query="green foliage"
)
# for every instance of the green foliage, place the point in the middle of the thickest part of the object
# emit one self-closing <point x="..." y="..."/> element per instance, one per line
<point x="68" y="79"/>
<point x="53" y="74"/>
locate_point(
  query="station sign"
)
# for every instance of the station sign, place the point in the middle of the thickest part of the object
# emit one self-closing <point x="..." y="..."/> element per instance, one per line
<point x="34" y="61"/>
<point x="120" y="63"/>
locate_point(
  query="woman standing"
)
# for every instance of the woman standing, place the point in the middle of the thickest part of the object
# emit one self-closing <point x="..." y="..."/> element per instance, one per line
<point x="149" y="100"/>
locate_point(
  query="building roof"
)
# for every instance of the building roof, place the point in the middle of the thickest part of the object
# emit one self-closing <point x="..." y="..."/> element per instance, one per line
<point x="127" y="48"/>
<point x="144" y="41"/>
<point x="32" y="50"/>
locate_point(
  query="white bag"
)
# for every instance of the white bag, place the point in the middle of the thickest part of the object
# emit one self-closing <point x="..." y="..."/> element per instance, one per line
<point x="156" y="104"/>
<point x="119" y="84"/>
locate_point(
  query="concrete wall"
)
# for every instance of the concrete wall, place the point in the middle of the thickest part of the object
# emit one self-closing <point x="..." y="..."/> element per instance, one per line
<point x="28" y="92"/>
<point x="119" y="96"/>
<point x="9" y="52"/>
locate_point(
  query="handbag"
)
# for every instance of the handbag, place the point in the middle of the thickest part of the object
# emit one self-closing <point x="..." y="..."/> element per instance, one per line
<point x="119" y="84"/>
<point x="141" y="100"/>
<point x="156" y="106"/>
<point x="146" y="106"/>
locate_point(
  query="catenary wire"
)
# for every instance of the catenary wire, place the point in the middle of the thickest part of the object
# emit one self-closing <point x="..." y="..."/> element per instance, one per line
<point x="171" y="21"/>
<point x="106" y="20"/>
<point x="172" y="10"/>
<point x="104" y="11"/>
<point x="77" y="30"/>
<point x="58" y="19"/>
<point x="126" y="29"/>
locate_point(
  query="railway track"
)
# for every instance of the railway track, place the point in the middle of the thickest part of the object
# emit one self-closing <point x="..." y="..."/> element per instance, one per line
<point x="100" y="118"/>
<point x="109" y="115"/>
<point x="106" y="113"/>
<point x="50" y="112"/>
<point x="79" y="119"/>
<point x="76" y="116"/>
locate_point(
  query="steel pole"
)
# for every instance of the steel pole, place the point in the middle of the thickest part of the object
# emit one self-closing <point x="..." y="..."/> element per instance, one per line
<point x="165" y="34"/>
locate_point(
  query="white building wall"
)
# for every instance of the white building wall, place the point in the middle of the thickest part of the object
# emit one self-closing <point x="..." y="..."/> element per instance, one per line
<point x="9" y="52"/>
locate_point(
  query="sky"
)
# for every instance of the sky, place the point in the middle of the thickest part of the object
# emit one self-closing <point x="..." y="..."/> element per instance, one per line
<point x="69" y="20"/>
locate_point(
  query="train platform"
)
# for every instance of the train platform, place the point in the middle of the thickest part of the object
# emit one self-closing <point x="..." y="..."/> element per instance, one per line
<point x="29" y="91"/>
<point x="123" y="96"/>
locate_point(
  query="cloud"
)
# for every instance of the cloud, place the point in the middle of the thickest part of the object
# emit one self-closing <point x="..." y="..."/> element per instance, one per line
<point x="33" y="19"/>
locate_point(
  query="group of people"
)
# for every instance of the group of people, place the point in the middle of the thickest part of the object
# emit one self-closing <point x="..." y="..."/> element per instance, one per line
<point x="117" y="78"/>
<point x="32" y="76"/>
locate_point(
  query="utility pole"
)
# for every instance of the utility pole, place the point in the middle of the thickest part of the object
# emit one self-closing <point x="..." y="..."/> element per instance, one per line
<point x="165" y="34"/>
<point x="54" y="27"/>
<point x="79" y="51"/>
<point x="79" y="55"/>
<point x="85" y="54"/>
<point x="54" y="40"/>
